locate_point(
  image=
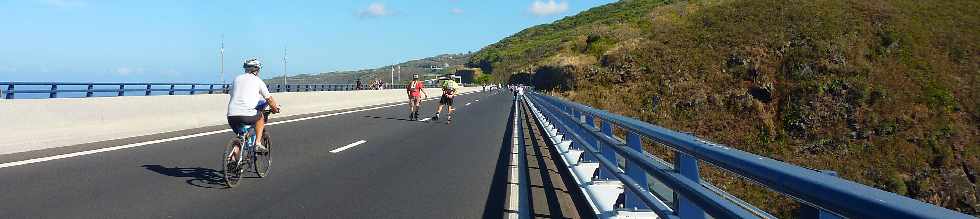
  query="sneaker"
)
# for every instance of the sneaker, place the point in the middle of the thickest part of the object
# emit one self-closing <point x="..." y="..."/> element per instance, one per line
<point x="411" y="116"/>
<point x="436" y="117"/>
<point x="261" y="148"/>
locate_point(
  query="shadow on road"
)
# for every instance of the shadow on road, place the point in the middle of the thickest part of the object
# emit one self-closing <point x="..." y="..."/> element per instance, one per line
<point x="200" y="177"/>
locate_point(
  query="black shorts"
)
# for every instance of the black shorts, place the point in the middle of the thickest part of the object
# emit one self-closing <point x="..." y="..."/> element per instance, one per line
<point x="446" y="100"/>
<point x="236" y="122"/>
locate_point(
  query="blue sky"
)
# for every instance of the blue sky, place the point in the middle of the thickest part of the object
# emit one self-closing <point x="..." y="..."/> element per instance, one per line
<point x="177" y="41"/>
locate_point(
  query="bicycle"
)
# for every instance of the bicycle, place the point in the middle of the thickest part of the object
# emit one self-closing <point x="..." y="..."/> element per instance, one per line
<point x="259" y="162"/>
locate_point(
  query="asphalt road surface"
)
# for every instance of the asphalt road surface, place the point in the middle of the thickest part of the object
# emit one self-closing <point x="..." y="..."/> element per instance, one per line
<point x="405" y="169"/>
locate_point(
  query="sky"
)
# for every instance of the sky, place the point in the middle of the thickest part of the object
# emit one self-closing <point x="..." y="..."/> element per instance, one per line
<point x="179" y="40"/>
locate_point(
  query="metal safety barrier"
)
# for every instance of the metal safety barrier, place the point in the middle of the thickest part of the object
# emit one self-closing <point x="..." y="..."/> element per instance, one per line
<point x="53" y="89"/>
<point x="9" y="90"/>
<point x="572" y="129"/>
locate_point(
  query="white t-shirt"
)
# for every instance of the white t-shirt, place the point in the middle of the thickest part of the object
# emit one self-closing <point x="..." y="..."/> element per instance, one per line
<point x="246" y="92"/>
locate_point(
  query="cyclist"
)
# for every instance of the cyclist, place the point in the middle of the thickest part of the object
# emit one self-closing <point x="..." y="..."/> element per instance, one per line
<point x="415" y="90"/>
<point x="249" y="95"/>
<point x="449" y="88"/>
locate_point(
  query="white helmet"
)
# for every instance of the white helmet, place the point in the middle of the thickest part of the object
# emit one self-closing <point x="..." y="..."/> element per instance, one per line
<point x="253" y="62"/>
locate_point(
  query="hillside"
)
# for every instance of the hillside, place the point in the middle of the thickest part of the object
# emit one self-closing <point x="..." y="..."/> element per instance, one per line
<point x="427" y="67"/>
<point x="884" y="92"/>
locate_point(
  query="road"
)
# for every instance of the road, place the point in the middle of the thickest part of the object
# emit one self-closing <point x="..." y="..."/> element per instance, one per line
<point x="405" y="169"/>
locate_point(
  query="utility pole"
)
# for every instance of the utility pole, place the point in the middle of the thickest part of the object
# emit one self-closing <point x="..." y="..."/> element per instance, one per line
<point x="221" y="59"/>
<point x="392" y="74"/>
<point x="399" y="72"/>
<point x="284" y="65"/>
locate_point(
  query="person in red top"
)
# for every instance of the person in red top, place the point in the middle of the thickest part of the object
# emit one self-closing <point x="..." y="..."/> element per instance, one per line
<point x="415" y="91"/>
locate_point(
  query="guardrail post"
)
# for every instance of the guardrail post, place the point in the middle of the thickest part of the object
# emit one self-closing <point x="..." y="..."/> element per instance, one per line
<point x="89" y="92"/>
<point x="122" y="88"/>
<point x="607" y="151"/>
<point x="193" y="87"/>
<point x="149" y="90"/>
<point x="636" y="173"/>
<point x="54" y="91"/>
<point x="589" y="136"/>
<point x="807" y="211"/>
<point x="10" y="91"/>
<point x="211" y="89"/>
<point x="687" y="166"/>
<point x="287" y="88"/>
<point x="171" y="89"/>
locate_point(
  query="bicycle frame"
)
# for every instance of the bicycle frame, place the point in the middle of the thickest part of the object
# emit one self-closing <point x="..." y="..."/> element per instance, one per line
<point x="247" y="143"/>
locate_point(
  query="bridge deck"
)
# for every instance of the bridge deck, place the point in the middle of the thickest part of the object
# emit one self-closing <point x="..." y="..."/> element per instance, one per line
<point x="405" y="169"/>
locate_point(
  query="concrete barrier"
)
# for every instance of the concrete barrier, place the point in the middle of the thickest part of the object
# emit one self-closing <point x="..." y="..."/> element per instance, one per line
<point x="34" y="124"/>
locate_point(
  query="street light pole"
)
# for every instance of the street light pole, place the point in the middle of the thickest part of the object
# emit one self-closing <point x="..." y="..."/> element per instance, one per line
<point x="284" y="66"/>
<point x="221" y="60"/>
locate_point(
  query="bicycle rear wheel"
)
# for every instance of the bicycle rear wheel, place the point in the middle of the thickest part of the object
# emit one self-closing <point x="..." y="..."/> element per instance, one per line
<point x="263" y="160"/>
<point x="232" y="169"/>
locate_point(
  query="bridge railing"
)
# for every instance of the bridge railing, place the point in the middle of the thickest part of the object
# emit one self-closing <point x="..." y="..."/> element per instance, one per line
<point x="54" y="89"/>
<point x="829" y="196"/>
<point x="10" y="90"/>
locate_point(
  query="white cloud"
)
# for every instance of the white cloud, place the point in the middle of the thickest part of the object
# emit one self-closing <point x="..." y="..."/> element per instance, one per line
<point x="125" y="71"/>
<point x="551" y="7"/>
<point x="456" y="11"/>
<point x="375" y="10"/>
<point x="65" y="3"/>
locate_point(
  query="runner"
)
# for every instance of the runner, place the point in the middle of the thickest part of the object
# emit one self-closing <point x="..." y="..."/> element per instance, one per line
<point x="449" y="88"/>
<point x="415" y="89"/>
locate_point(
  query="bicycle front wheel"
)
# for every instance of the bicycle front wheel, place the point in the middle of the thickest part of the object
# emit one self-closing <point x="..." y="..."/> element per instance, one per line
<point x="232" y="168"/>
<point x="263" y="160"/>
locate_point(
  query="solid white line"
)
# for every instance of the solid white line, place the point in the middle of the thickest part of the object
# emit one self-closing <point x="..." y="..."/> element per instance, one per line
<point x="43" y="159"/>
<point x="133" y="145"/>
<point x="334" y="114"/>
<point x="338" y="150"/>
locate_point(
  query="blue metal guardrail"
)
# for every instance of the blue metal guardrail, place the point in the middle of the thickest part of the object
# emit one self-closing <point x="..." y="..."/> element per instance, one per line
<point x="53" y="89"/>
<point x="829" y="196"/>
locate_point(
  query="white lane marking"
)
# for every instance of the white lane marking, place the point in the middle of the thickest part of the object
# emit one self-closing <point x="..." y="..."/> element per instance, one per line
<point x="468" y="104"/>
<point x="334" y="114"/>
<point x="425" y="119"/>
<point x="477" y="100"/>
<point x="43" y="159"/>
<point x="338" y="150"/>
<point x="100" y="150"/>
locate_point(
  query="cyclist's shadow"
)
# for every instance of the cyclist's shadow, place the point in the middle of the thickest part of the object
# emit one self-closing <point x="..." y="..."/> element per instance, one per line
<point x="200" y="177"/>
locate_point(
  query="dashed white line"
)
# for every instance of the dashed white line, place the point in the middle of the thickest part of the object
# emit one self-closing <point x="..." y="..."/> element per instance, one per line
<point x="425" y="119"/>
<point x="338" y="150"/>
<point x="468" y="104"/>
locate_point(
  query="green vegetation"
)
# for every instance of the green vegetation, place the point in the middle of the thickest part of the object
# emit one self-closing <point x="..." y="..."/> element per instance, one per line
<point x="884" y="92"/>
<point x="428" y="68"/>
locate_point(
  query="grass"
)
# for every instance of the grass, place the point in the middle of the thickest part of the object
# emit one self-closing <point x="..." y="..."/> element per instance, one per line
<point x="884" y="92"/>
